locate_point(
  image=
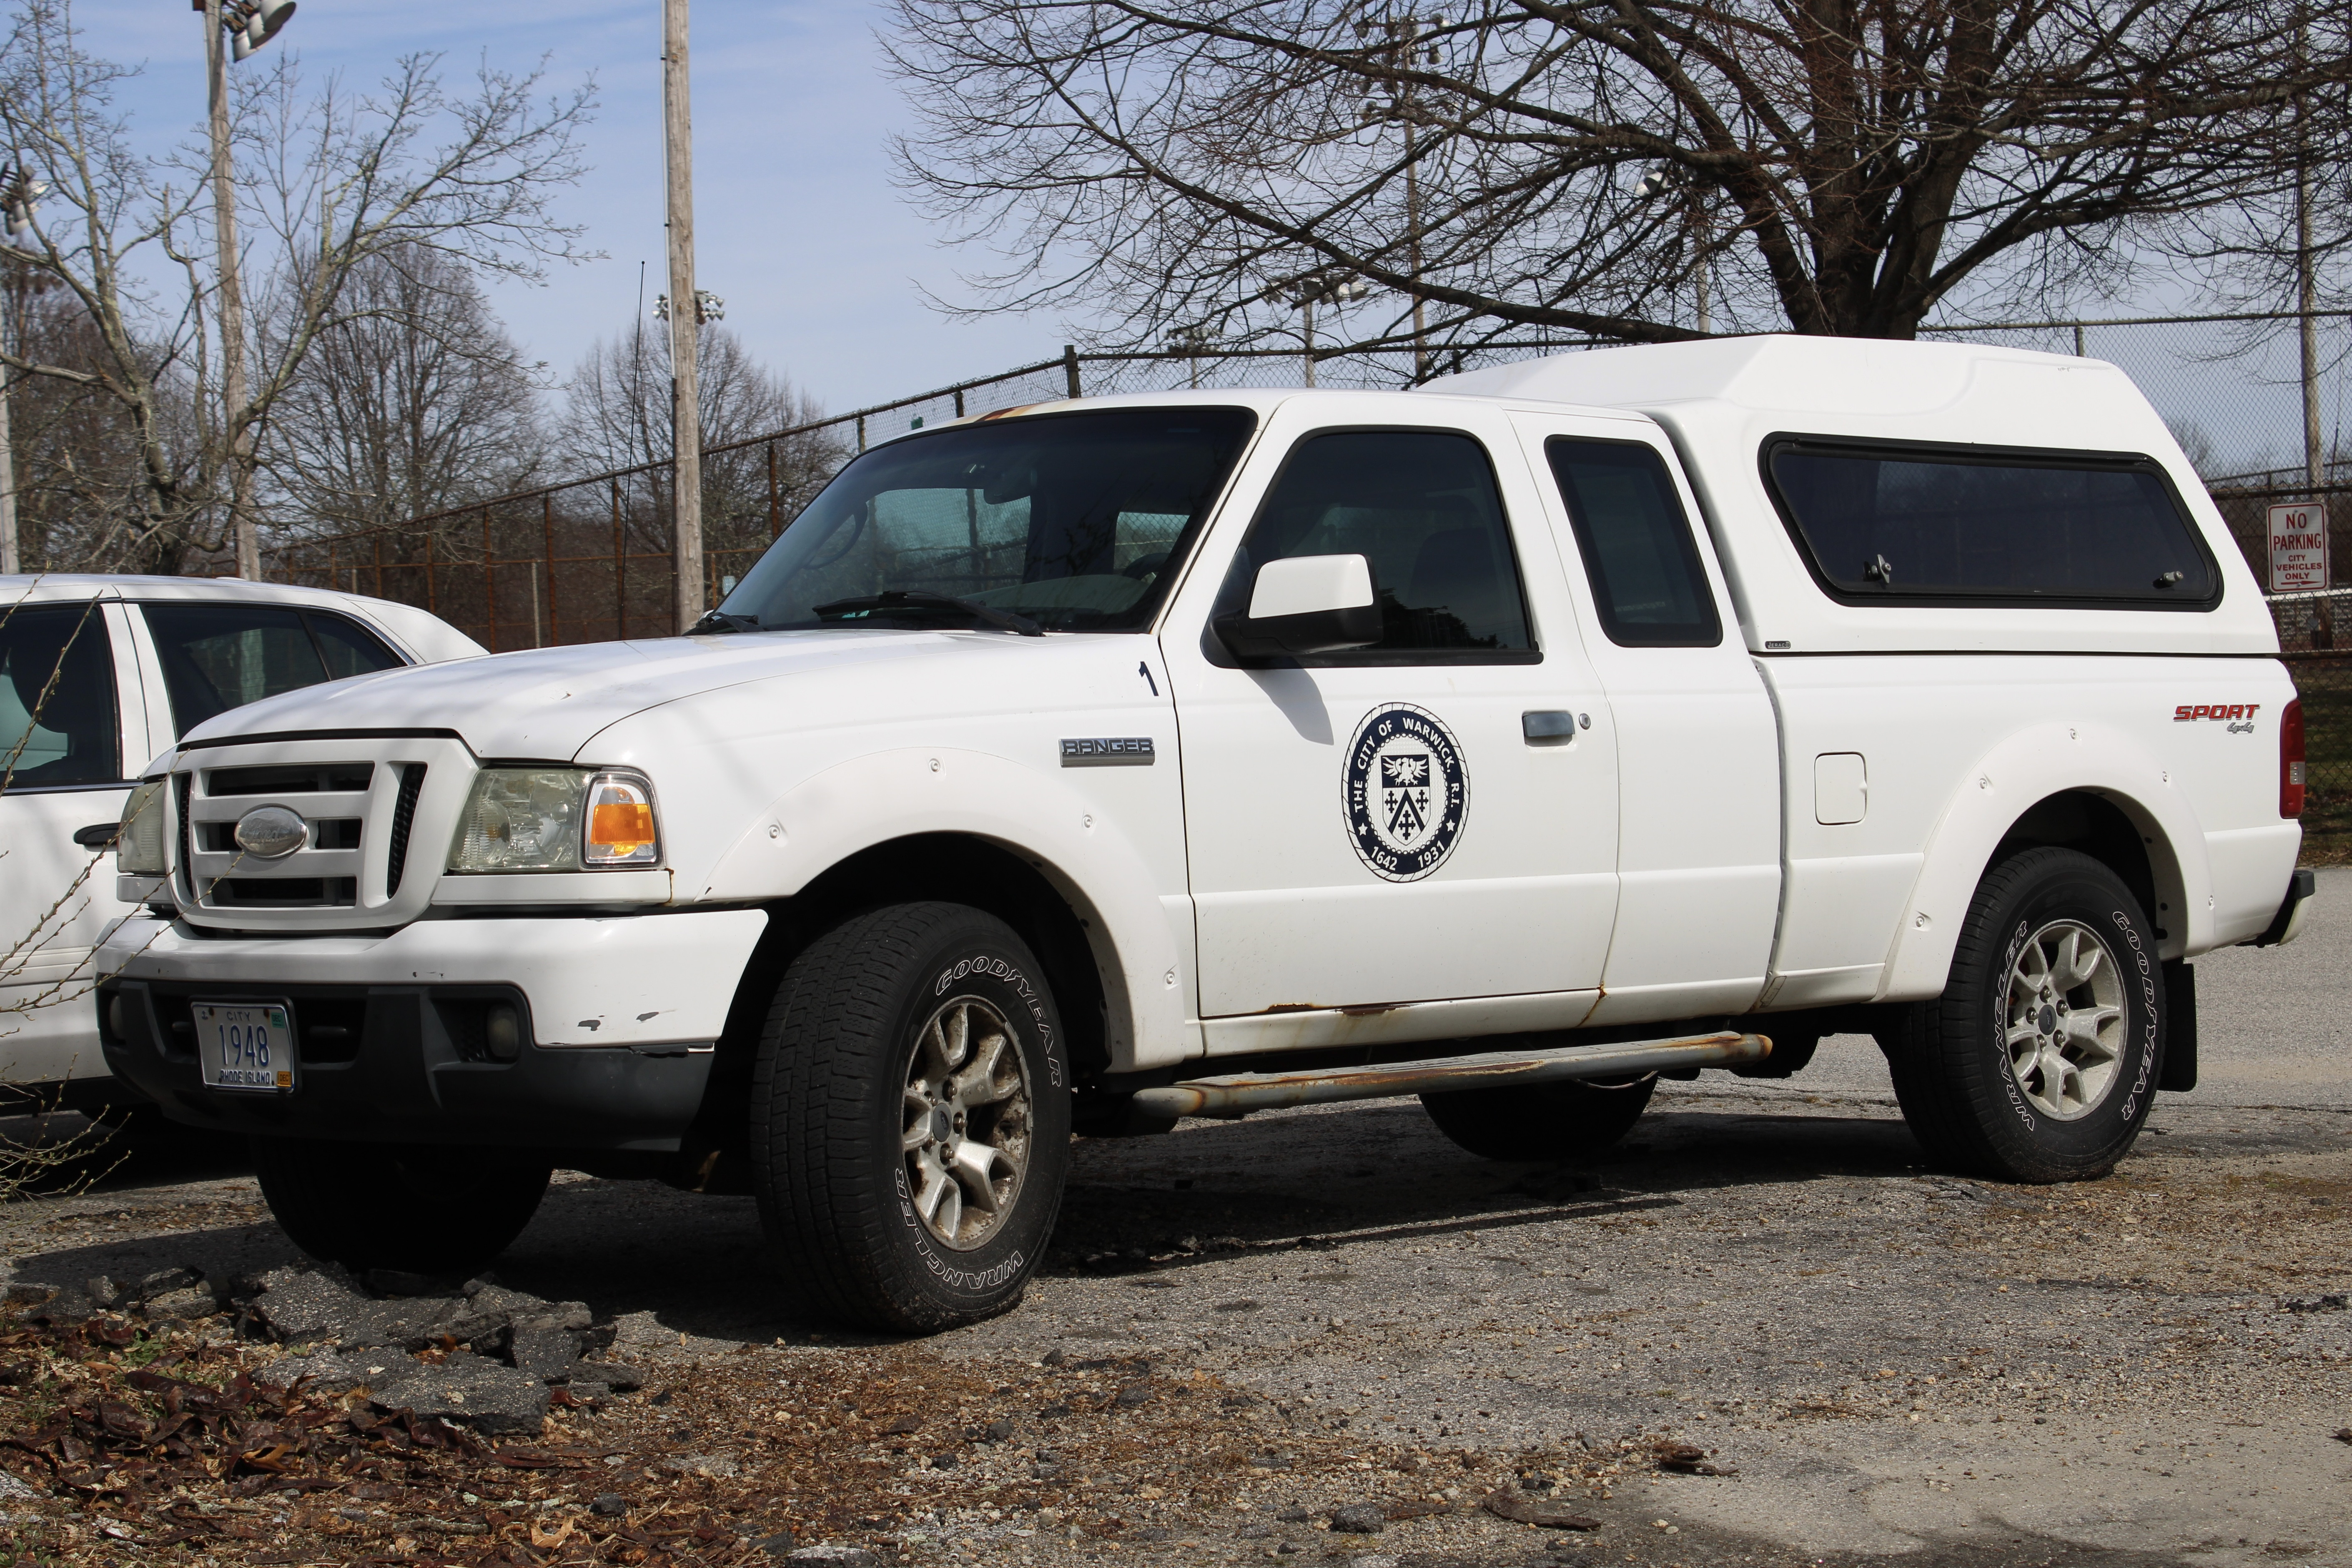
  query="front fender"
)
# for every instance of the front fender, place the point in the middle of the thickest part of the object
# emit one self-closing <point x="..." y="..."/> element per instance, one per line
<point x="1141" y="940"/>
<point x="2007" y="781"/>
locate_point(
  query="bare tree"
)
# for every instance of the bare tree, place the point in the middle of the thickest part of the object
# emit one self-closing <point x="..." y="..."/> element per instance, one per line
<point x="1628" y="168"/>
<point x="415" y="400"/>
<point x="330" y="182"/>
<point x="616" y="415"/>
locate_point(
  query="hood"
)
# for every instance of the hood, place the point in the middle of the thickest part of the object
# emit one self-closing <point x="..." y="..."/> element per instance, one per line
<point x="543" y="705"/>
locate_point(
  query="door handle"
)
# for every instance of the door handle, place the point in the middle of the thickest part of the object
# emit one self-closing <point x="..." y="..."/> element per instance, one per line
<point x="98" y="834"/>
<point x="1548" y="724"/>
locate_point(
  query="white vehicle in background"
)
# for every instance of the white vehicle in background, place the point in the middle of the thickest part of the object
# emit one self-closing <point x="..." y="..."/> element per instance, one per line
<point x="97" y="675"/>
<point x="1510" y="742"/>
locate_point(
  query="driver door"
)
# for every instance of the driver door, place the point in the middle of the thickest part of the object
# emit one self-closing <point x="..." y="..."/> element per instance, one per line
<point x="1405" y="823"/>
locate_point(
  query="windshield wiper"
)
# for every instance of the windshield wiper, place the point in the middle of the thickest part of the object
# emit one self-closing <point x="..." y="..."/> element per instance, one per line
<point x="725" y="621"/>
<point x="917" y="599"/>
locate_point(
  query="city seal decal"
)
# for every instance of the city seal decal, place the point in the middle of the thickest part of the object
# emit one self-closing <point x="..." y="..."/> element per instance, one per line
<point x="1406" y="791"/>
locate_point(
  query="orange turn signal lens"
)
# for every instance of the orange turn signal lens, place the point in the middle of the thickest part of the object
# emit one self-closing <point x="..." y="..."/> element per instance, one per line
<point x="621" y="826"/>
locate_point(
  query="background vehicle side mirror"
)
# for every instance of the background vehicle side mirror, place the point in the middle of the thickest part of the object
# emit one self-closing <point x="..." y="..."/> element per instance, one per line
<point x="1305" y="604"/>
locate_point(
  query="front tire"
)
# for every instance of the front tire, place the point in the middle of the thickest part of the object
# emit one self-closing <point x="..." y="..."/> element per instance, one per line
<point x="910" y="1119"/>
<point x="2039" y="1062"/>
<point x="424" y="1209"/>
<point x="1540" y="1122"/>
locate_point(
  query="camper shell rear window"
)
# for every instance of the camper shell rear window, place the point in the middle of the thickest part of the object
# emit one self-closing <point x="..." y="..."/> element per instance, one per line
<point x="1922" y="522"/>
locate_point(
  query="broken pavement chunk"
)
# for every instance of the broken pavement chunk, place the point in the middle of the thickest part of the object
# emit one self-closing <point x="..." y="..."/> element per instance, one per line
<point x="486" y="1394"/>
<point x="1505" y="1503"/>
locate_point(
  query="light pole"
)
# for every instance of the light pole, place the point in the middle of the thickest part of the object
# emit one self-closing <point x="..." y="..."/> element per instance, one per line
<point x="1657" y="183"/>
<point x="1309" y="289"/>
<point x="1403" y="35"/>
<point x="1193" y="341"/>
<point x="234" y="29"/>
<point x="685" y="390"/>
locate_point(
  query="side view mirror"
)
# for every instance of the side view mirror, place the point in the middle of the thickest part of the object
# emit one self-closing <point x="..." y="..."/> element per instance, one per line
<point x="1305" y="604"/>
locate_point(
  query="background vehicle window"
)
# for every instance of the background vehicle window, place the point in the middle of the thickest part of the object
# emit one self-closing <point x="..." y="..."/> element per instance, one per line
<point x="348" y="648"/>
<point x="220" y="657"/>
<point x="1636" y="542"/>
<point x="1421" y="506"/>
<point x="1075" y="520"/>
<point x="74" y="737"/>
<point x="1881" y="523"/>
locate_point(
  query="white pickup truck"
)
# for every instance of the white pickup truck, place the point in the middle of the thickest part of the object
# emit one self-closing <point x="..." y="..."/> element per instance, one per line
<point x="1510" y="742"/>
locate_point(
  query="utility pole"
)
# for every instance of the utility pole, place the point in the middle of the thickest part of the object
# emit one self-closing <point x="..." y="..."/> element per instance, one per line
<point x="232" y="299"/>
<point x="2306" y="295"/>
<point x="684" y="318"/>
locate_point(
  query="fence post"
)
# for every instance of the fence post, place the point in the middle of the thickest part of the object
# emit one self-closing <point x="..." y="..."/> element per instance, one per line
<point x="2079" y="352"/>
<point x="1070" y="367"/>
<point x="489" y="583"/>
<point x="620" y="573"/>
<point x="861" y="432"/>
<point x="430" y="603"/>
<point x="775" y="512"/>
<point x="547" y="531"/>
<point x="958" y="401"/>
<point x="379" y="563"/>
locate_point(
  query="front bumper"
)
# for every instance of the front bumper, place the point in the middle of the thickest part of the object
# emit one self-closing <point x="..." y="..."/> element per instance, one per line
<point x="620" y="1015"/>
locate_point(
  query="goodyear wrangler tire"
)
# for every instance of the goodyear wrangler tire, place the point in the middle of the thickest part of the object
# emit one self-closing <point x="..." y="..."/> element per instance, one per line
<point x="1540" y="1122"/>
<point x="421" y="1209"/>
<point x="910" y="1119"/>
<point x="2039" y="1063"/>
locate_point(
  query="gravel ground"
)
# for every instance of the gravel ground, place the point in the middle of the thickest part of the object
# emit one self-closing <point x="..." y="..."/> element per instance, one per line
<point x="1335" y="1306"/>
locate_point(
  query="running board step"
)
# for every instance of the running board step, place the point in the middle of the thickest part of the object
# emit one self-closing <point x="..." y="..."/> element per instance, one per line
<point x="1238" y="1094"/>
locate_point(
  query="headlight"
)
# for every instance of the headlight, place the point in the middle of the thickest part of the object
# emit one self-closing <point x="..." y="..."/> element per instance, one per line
<point x="556" y="819"/>
<point x="140" y="844"/>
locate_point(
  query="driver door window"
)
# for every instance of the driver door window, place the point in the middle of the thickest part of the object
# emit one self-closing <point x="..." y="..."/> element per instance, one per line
<point x="1422" y="508"/>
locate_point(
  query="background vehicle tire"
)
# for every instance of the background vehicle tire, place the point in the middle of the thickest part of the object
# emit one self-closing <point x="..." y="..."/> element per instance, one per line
<point x="2039" y="1062"/>
<point x="1540" y="1122"/>
<point x="910" y="1119"/>
<point x="425" y="1209"/>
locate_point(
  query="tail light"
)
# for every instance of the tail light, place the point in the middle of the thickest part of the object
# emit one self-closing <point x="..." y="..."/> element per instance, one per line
<point x="2291" y="760"/>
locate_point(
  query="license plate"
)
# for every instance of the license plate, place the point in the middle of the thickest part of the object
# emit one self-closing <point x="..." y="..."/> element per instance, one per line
<point x="246" y="1045"/>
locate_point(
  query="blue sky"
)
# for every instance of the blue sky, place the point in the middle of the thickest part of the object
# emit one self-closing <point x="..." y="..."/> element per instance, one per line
<point x="800" y="229"/>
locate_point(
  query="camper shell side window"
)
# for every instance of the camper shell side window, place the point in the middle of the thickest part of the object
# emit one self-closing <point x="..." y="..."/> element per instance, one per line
<point x="1917" y="522"/>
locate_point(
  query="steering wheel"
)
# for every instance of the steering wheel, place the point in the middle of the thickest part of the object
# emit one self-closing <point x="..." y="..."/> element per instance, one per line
<point x="1144" y="566"/>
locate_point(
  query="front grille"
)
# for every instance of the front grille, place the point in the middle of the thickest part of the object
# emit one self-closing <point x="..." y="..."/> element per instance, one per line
<point x="333" y="778"/>
<point x="283" y="892"/>
<point x="322" y="873"/>
<point x="403" y="817"/>
<point x="367" y="809"/>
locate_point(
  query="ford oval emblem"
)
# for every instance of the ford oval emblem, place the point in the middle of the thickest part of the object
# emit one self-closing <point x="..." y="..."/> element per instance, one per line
<point x="270" y="832"/>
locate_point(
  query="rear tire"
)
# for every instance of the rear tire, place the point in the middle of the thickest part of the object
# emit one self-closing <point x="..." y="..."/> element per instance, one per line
<point x="910" y="1119"/>
<point x="1540" y="1122"/>
<point x="422" y="1208"/>
<point x="2039" y="1062"/>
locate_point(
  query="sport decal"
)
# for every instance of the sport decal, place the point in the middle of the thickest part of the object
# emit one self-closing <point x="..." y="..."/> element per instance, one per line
<point x="1406" y="791"/>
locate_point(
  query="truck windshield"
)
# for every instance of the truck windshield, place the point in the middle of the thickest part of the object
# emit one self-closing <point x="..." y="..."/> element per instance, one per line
<point x="1072" y="522"/>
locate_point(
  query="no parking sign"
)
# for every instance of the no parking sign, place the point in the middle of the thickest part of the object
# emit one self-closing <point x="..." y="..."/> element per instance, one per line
<point x="2298" y="531"/>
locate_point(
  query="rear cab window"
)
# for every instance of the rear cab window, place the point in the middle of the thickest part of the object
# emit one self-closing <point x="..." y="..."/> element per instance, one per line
<point x="1422" y="508"/>
<point x="59" y="727"/>
<point x="1918" y="524"/>
<point x="220" y="657"/>
<point x="1648" y="585"/>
